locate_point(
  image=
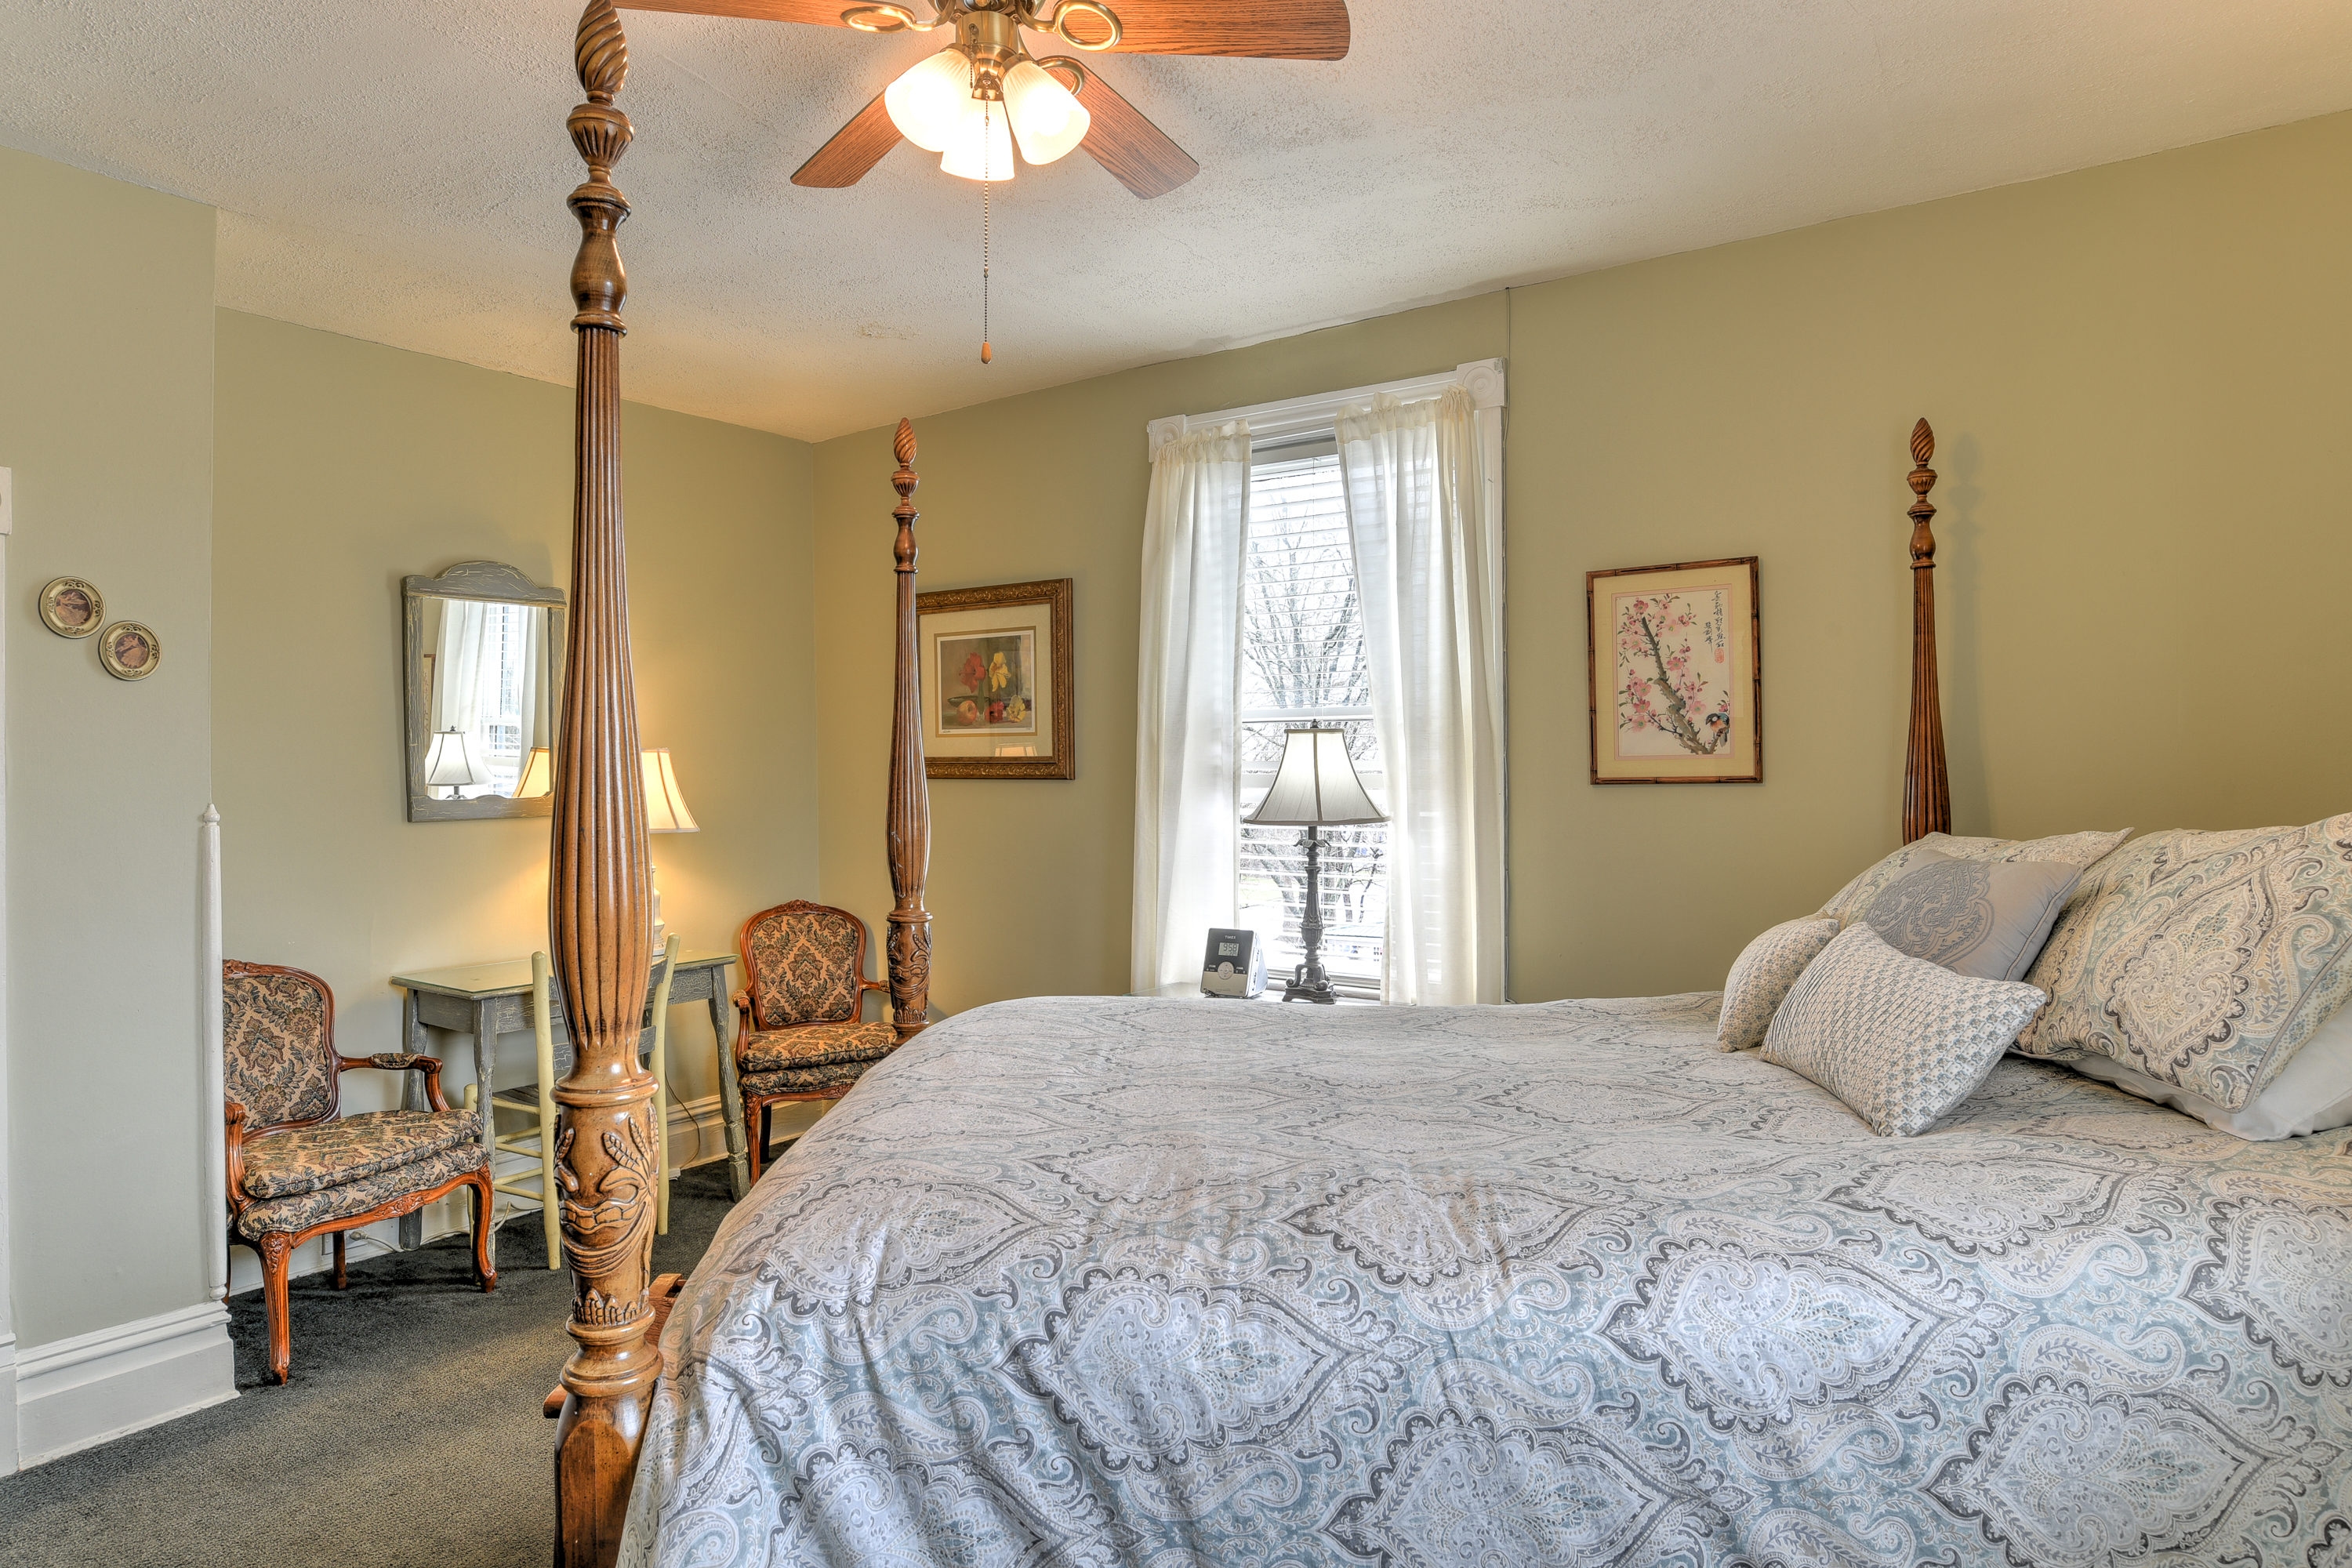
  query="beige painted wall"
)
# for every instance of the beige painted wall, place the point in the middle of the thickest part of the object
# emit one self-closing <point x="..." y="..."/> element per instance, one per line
<point x="344" y="466"/>
<point x="2136" y="373"/>
<point x="106" y="415"/>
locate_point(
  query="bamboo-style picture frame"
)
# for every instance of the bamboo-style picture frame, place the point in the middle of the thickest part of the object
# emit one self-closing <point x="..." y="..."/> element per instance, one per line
<point x="995" y="671"/>
<point x="1675" y="656"/>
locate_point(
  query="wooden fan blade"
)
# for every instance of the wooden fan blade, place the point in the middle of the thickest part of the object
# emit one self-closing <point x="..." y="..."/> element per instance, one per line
<point x="1289" y="30"/>
<point x="821" y="13"/>
<point x="1138" y="154"/>
<point x="855" y="148"/>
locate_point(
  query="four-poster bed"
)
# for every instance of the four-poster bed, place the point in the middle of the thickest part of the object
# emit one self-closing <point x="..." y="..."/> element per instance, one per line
<point x="1123" y="1279"/>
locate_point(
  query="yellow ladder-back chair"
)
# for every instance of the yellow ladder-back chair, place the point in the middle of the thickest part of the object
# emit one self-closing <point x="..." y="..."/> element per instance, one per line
<point x="537" y="1099"/>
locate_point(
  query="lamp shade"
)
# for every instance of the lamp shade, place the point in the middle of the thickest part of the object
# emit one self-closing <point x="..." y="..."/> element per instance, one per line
<point x="926" y="102"/>
<point x="447" y="761"/>
<point x="538" y="775"/>
<point x="665" y="809"/>
<point x="1317" y="785"/>
<point x="1048" y="120"/>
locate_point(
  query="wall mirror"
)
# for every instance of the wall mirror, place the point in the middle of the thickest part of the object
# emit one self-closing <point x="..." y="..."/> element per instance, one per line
<point x="483" y="646"/>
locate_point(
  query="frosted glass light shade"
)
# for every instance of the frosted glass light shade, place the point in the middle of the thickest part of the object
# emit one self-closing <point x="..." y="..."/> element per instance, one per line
<point x="665" y="809"/>
<point x="928" y="100"/>
<point x="1048" y="118"/>
<point x="982" y="128"/>
<point x="447" y="761"/>
<point x="1315" y="786"/>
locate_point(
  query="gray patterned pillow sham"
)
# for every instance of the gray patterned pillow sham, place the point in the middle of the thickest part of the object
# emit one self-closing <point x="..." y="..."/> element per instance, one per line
<point x="1760" y="976"/>
<point x="2311" y="1094"/>
<point x="2203" y="960"/>
<point x="1984" y="918"/>
<point x="2081" y="850"/>
<point x="1901" y="1040"/>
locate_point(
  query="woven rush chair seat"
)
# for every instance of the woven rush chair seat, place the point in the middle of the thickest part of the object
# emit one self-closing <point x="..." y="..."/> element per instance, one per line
<point x="351" y="1149"/>
<point x="816" y="1046"/>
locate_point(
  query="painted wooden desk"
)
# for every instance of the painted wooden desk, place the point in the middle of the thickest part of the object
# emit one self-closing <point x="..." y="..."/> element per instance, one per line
<point x="487" y="1000"/>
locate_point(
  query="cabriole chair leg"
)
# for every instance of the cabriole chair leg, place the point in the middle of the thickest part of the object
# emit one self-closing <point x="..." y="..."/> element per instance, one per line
<point x="486" y="1266"/>
<point x="274" y="1248"/>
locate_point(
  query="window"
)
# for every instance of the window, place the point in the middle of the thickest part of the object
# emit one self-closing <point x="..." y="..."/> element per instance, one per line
<point x="1303" y="663"/>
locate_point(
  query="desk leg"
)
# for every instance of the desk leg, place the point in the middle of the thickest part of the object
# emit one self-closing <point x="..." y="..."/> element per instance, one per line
<point x="730" y="1092"/>
<point x="412" y="1098"/>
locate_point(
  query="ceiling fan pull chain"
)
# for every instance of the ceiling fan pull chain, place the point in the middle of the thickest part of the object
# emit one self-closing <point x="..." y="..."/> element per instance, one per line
<point x="986" y="354"/>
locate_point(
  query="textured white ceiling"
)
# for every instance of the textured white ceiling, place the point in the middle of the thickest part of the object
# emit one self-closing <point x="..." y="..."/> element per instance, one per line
<point x="397" y="173"/>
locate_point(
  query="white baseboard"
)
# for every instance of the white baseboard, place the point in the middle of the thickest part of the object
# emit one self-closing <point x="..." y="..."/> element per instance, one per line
<point x="8" y="1404"/>
<point x="75" y="1394"/>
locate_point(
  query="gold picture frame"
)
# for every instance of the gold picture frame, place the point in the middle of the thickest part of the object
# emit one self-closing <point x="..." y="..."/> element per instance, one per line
<point x="994" y="665"/>
<point x="129" y="651"/>
<point x="1674" y="657"/>
<point x="72" y="607"/>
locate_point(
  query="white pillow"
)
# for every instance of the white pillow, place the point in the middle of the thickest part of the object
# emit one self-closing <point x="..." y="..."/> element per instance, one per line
<point x="1760" y="976"/>
<point x="2313" y="1093"/>
<point x="1901" y="1040"/>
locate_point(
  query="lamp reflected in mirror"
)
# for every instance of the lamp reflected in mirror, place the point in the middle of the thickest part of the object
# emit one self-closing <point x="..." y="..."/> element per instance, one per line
<point x="447" y="766"/>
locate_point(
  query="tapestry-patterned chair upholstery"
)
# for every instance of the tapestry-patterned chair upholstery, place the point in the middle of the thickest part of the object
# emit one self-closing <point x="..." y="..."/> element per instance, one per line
<point x="798" y="1035"/>
<point x="296" y="1166"/>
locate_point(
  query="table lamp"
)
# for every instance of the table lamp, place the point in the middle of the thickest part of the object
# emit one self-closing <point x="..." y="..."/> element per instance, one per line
<point x="1314" y="788"/>
<point x="538" y="775"/>
<point x="448" y="763"/>
<point x="666" y="812"/>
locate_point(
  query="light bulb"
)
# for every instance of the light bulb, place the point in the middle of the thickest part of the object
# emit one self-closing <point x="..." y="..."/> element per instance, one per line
<point x="1048" y="118"/>
<point x="981" y="132"/>
<point x="926" y="102"/>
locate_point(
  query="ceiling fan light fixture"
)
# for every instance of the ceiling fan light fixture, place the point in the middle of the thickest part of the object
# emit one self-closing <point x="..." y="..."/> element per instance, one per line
<point x="982" y="147"/>
<point x="1048" y="118"/>
<point x="929" y="101"/>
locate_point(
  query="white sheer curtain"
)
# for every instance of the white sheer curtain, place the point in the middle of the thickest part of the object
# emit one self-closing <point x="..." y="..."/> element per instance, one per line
<point x="1429" y="572"/>
<point x="1187" y="772"/>
<point x="457" y="678"/>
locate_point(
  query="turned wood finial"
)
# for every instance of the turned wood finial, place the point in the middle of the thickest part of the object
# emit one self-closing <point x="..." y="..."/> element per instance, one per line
<point x="1923" y="480"/>
<point x="600" y="133"/>
<point x="904" y="481"/>
<point x="600" y="51"/>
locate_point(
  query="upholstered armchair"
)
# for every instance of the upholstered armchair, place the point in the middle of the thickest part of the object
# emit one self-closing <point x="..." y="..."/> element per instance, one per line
<point x="296" y="1166"/>
<point x="798" y="1031"/>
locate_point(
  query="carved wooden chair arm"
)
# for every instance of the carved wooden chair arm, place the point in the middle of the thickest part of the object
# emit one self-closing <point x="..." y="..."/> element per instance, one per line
<point x="235" y="1147"/>
<point x="400" y="1061"/>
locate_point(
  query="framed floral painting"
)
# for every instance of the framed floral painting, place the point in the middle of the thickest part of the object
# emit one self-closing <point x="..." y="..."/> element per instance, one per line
<point x="1676" y="662"/>
<point x="995" y="668"/>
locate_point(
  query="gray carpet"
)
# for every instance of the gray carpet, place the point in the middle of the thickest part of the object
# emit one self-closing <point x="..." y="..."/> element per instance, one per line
<point x="411" y="1435"/>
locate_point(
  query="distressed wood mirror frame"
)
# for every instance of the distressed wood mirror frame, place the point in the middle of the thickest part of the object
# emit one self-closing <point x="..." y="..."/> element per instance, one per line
<point x="486" y="581"/>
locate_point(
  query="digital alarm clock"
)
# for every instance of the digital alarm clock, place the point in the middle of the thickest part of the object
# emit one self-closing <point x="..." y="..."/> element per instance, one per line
<point x="1235" y="964"/>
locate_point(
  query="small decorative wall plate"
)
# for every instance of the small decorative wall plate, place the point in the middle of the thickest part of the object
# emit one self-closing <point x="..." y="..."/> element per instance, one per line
<point x="129" y="650"/>
<point x="71" y="608"/>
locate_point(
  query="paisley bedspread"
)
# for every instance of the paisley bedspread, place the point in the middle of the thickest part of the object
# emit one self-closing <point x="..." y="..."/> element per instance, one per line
<point x="1092" y="1281"/>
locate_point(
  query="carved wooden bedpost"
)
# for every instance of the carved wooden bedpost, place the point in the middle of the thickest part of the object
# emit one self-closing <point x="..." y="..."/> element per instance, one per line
<point x="597" y="891"/>
<point x="1927" y="792"/>
<point x="910" y="794"/>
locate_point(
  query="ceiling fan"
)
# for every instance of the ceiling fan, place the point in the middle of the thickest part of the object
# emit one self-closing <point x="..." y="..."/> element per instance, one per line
<point x="984" y="94"/>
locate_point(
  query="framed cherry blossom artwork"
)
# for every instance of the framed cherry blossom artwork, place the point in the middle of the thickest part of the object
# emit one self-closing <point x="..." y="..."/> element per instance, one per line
<point x="1676" y="661"/>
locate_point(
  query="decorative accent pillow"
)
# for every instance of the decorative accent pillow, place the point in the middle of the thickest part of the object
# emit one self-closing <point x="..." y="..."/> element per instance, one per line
<point x="1985" y="918"/>
<point x="2203" y="960"/>
<point x="1760" y="976"/>
<point x="2311" y="1094"/>
<point x="1901" y="1040"/>
<point x="2081" y="850"/>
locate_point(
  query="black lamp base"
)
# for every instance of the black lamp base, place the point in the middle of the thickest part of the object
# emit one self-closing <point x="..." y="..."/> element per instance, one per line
<point x="1303" y="989"/>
